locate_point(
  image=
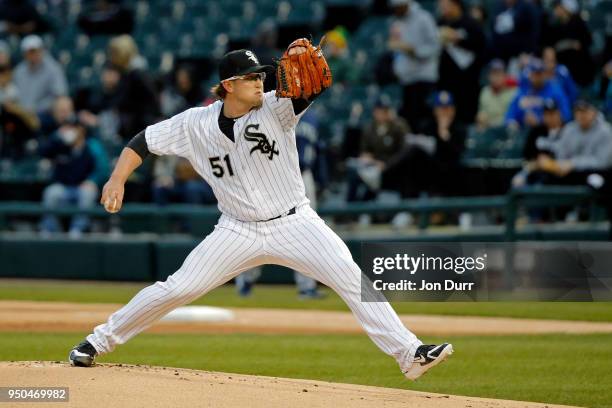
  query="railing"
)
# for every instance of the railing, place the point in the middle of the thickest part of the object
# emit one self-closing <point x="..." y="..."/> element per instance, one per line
<point x="158" y="218"/>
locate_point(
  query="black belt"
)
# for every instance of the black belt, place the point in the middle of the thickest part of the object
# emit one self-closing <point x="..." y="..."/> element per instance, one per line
<point x="290" y="212"/>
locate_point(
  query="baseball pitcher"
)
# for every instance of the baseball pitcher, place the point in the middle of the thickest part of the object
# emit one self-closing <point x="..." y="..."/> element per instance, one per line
<point x="244" y="146"/>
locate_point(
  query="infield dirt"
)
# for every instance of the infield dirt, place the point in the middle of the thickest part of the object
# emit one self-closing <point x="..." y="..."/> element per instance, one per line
<point x="80" y="317"/>
<point x="122" y="385"/>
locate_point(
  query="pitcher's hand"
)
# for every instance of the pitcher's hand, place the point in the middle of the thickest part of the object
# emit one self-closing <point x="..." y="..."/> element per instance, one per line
<point x="112" y="195"/>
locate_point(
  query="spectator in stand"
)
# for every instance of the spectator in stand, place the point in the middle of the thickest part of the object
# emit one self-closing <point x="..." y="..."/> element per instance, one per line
<point x="104" y="98"/>
<point x="495" y="98"/>
<point x="540" y="139"/>
<point x="559" y="74"/>
<point x="39" y="78"/>
<point x="61" y="112"/>
<point x="582" y="148"/>
<point x="43" y="125"/>
<point x="515" y="29"/>
<point x="571" y="38"/>
<point x="555" y="73"/>
<point x="431" y="162"/>
<point x="20" y="17"/>
<point x="528" y="105"/>
<point x="98" y="109"/>
<point x="337" y="55"/>
<point x="135" y="100"/>
<point x="415" y="44"/>
<point x="463" y="47"/>
<point x="479" y="13"/>
<point x="586" y="143"/>
<point x="106" y="17"/>
<point x="382" y="142"/>
<point x="183" y="93"/>
<point x="175" y="180"/>
<point x="80" y="168"/>
<point x="17" y="124"/>
<point x="8" y="90"/>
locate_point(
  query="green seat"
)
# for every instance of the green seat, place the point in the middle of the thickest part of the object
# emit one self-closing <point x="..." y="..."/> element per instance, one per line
<point x="484" y="145"/>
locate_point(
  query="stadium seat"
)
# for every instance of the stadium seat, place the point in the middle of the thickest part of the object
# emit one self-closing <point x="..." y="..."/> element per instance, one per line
<point x="484" y="145"/>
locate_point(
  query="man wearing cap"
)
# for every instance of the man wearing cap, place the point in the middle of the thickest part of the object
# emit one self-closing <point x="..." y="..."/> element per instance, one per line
<point x="527" y="108"/>
<point x="541" y="138"/>
<point x="431" y="162"/>
<point x="495" y="98"/>
<point x="586" y="143"/>
<point x="39" y="78"/>
<point x="583" y="146"/>
<point x="382" y="142"/>
<point x="244" y="146"/>
<point x="415" y="44"/>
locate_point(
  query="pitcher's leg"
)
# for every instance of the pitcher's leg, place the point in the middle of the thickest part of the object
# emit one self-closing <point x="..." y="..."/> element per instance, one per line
<point x="310" y="246"/>
<point x="214" y="261"/>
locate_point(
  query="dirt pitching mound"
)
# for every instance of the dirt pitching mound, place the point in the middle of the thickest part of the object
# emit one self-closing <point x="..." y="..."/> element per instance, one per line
<point x="121" y="385"/>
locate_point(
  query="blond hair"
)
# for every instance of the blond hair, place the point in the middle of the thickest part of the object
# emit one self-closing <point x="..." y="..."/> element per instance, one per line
<point x="219" y="91"/>
<point x="122" y="50"/>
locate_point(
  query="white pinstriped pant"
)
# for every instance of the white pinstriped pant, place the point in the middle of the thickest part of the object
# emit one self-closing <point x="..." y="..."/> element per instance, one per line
<point x="301" y="241"/>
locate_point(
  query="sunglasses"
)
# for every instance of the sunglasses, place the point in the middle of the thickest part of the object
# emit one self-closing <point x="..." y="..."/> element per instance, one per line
<point x="256" y="76"/>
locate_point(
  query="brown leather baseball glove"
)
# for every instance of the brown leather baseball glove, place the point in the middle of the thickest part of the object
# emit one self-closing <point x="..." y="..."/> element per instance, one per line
<point x="302" y="74"/>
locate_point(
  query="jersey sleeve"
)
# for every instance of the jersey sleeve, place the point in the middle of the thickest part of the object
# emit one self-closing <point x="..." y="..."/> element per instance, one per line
<point x="171" y="136"/>
<point x="283" y="109"/>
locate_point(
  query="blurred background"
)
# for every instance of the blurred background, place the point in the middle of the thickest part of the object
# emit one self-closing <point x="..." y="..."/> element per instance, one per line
<point x="448" y="120"/>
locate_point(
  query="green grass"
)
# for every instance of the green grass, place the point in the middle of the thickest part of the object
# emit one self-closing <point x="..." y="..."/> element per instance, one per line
<point x="563" y="369"/>
<point x="285" y="297"/>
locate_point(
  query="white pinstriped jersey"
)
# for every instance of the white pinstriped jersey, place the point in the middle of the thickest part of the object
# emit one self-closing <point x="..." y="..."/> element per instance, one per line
<point x="256" y="177"/>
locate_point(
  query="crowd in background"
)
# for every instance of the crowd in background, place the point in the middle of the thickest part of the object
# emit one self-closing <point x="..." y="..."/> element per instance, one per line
<point x="537" y="64"/>
<point x="525" y="68"/>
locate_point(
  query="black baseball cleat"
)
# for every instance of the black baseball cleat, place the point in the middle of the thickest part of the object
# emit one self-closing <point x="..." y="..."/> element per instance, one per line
<point x="426" y="357"/>
<point x="82" y="355"/>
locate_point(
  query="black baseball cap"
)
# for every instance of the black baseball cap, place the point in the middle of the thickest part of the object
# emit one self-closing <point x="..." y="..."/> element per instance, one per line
<point x="583" y="104"/>
<point x="383" y="102"/>
<point x="536" y="65"/>
<point x="444" y="98"/>
<point x="240" y="62"/>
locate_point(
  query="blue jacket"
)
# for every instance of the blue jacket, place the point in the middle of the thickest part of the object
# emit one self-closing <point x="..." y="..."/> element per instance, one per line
<point x="563" y="79"/>
<point x="529" y="99"/>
